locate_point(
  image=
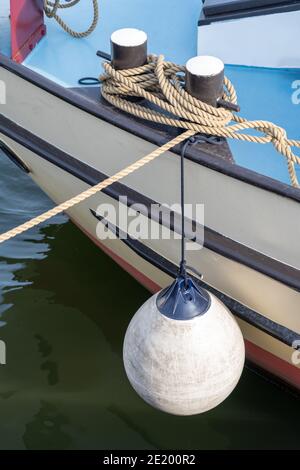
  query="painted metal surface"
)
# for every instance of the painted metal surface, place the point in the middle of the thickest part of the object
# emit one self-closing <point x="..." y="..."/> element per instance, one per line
<point x="277" y="356"/>
<point x="171" y="26"/>
<point x="212" y="240"/>
<point x="274" y="43"/>
<point x="211" y="184"/>
<point x="267" y="90"/>
<point x="263" y="93"/>
<point x="224" y="197"/>
<point x="216" y="7"/>
<point x="5" y="46"/>
<point x="271" y="95"/>
<point x="27" y="27"/>
<point x="267" y="296"/>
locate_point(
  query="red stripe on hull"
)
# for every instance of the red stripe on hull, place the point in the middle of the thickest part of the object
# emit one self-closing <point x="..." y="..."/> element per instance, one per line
<point x="273" y="364"/>
<point x="27" y="27"/>
<point x="254" y="353"/>
<point x="135" y="273"/>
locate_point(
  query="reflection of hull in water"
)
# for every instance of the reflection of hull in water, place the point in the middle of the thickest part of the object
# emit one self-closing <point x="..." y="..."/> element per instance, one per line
<point x="64" y="386"/>
<point x="61" y="351"/>
<point x="58" y="329"/>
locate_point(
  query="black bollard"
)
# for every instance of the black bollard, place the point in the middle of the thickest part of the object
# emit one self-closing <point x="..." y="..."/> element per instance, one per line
<point x="205" y="78"/>
<point x="128" y="48"/>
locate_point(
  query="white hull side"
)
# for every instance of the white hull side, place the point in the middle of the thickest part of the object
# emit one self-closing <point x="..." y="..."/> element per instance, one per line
<point x="244" y="41"/>
<point x="252" y="216"/>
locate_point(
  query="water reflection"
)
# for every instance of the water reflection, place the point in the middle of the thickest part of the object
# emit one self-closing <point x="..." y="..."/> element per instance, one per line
<point x="65" y="307"/>
<point x="45" y="429"/>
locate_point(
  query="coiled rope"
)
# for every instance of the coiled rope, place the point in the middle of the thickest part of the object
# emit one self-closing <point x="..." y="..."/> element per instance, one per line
<point x="51" y="9"/>
<point x="162" y="84"/>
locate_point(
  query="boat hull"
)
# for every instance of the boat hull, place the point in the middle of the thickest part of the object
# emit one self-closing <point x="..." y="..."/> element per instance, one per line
<point x="263" y="349"/>
<point x="67" y="145"/>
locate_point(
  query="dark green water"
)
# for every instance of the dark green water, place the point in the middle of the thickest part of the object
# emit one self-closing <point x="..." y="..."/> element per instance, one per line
<point x="64" y="309"/>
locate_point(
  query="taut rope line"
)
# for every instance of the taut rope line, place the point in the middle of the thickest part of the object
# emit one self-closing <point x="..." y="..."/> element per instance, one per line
<point x="159" y="83"/>
<point x="95" y="189"/>
<point x="51" y="7"/>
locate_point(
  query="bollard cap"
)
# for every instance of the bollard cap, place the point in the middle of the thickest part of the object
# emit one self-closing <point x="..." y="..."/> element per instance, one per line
<point x="205" y="66"/>
<point x="129" y="37"/>
<point x="128" y="48"/>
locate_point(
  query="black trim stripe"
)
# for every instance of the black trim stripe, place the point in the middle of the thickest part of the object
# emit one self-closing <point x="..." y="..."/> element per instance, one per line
<point x="148" y="132"/>
<point x="212" y="240"/>
<point x="252" y="8"/>
<point x="13" y="157"/>
<point x="217" y="7"/>
<point x="277" y="331"/>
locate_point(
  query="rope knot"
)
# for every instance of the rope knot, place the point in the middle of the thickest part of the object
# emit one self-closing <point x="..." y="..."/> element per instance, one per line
<point x="162" y="84"/>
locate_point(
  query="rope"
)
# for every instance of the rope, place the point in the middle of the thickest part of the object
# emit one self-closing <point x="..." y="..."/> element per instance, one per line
<point x="95" y="189"/>
<point x="51" y="8"/>
<point x="162" y="84"/>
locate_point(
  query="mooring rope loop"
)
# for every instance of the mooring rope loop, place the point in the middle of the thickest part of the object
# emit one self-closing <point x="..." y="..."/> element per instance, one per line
<point x="95" y="189"/>
<point x="51" y="9"/>
<point x="161" y="83"/>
